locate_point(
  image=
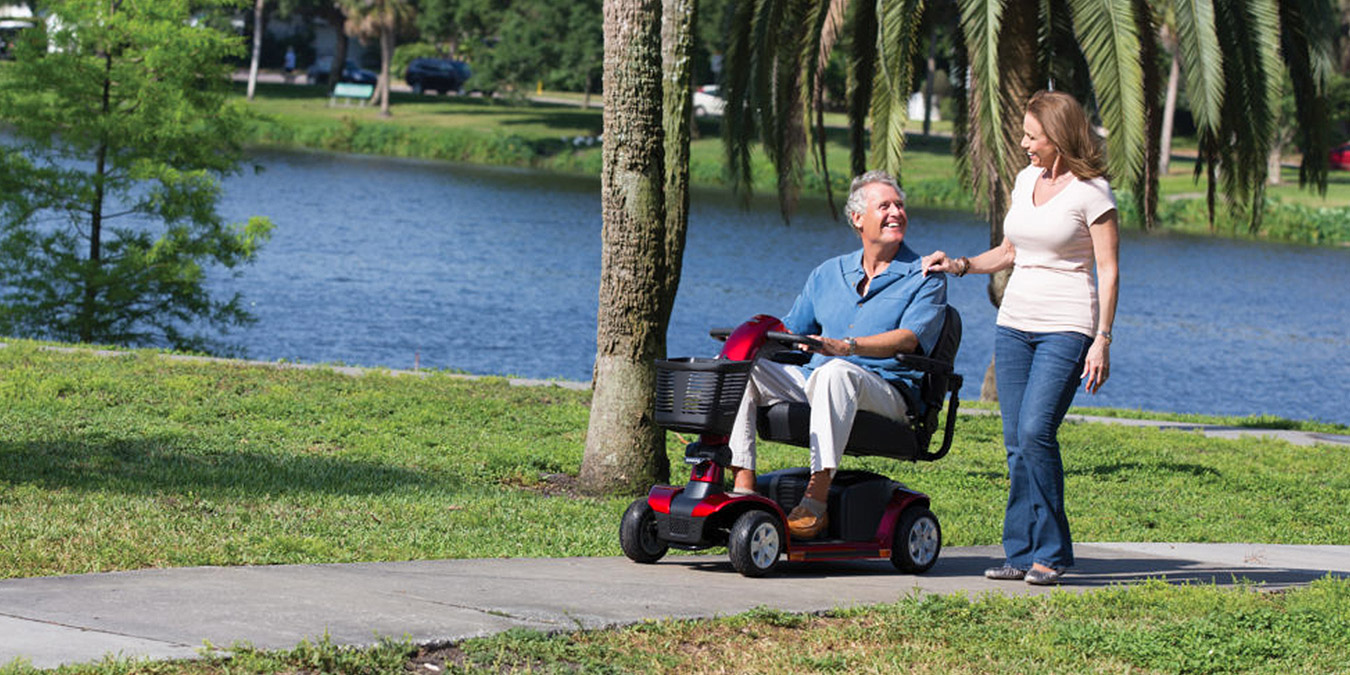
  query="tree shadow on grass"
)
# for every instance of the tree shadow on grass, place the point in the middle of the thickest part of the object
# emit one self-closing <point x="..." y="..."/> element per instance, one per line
<point x="1105" y="470"/>
<point x="168" y="464"/>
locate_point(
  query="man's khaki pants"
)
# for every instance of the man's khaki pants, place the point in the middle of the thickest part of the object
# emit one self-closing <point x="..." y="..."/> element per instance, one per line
<point x="835" y="391"/>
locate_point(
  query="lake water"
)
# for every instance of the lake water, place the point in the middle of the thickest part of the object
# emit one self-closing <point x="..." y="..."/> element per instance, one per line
<point x="391" y="263"/>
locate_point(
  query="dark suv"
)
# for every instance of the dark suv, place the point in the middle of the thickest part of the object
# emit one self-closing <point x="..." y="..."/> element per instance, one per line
<point x="439" y="75"/>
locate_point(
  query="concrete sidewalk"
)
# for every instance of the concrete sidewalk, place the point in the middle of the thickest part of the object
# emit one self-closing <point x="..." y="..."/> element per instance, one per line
<point x="170" y="613"/>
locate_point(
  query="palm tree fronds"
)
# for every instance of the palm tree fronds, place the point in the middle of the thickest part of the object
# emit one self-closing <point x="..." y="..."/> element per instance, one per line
<point x="1201" y="60"/>
<point x="897" y="42"/>
<point x="1307" y="38"/>
<point x="980" y="24"/>
<point x="1110" y="39"/>
<point x="862" y="77"/>
<point x="825" y="19"/>
<point x="738" y="118"/>
<point x="1252" y="75"/>
<point x="1150" y="56"/>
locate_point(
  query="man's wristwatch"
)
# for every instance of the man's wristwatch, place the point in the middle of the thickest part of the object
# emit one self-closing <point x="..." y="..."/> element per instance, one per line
<point x="852" y="345"/>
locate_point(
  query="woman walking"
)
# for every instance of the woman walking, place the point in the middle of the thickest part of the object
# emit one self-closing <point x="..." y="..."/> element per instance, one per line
<point x="1054" y="324"/>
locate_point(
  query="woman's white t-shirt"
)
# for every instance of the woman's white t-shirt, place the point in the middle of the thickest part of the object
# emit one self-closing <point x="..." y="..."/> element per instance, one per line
<point x="1053" y="287"/>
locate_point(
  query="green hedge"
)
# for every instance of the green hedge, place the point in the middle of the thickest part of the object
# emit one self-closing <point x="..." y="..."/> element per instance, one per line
<point x="349" y="135"/>
<point x="1296" y="223"/>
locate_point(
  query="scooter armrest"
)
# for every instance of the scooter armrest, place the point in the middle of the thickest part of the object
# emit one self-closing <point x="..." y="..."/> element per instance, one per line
<point x="924" y="364"/>
<point x="792" y="357"/>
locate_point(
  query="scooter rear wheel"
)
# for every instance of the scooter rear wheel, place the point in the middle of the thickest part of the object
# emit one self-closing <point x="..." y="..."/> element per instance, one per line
<point x="638" y="534"/>
<point x="917" y="541"/>
<point x="756" y="543"/>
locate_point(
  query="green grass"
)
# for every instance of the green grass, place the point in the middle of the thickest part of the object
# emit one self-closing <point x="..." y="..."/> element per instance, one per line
<point x="140" y="461"/>
<point x="115" y="463"/>
<point x="1152" y="627"/>
<point x="1148" y="628"/>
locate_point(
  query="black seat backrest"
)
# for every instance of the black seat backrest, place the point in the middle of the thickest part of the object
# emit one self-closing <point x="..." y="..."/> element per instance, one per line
<point x="934" y="386"/>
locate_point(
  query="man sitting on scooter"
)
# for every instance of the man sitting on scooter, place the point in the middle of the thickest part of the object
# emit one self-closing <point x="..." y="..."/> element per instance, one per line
<point x="865" y="307"/>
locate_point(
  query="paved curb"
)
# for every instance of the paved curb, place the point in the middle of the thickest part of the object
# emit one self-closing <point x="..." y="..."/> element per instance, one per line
<point x="1230" y="432"/>
<point x="171" y="613"/>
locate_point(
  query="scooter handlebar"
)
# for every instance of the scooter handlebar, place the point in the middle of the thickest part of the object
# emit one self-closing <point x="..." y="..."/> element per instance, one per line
<point x="789" y="339"/>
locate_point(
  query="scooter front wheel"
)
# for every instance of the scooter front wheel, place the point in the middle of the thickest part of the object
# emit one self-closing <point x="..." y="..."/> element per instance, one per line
<point x="917" y="542"/>
<point x="638" y="534"/>
<point x="755" y="544"/>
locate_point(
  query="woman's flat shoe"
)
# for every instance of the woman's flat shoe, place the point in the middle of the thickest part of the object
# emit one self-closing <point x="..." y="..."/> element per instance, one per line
<point x="1005" y="573"/>
<point x="1036" y="577"/>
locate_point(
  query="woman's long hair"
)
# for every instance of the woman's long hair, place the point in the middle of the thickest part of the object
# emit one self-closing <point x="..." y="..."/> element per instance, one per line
<point x="1066" y="127"/>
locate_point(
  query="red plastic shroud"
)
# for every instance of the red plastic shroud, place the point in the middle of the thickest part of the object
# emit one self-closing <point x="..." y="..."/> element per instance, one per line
<point x="745" y="341"/>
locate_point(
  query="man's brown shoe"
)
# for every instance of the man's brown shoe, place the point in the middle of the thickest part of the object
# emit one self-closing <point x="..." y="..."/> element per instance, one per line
<point x="803" y="524"/>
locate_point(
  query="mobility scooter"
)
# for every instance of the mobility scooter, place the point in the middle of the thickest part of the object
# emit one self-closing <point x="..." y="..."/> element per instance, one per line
<point x="871" y="516"/>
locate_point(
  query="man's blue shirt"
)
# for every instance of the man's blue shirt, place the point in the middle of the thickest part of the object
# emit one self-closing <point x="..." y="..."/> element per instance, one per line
<point x="899" y="297"/>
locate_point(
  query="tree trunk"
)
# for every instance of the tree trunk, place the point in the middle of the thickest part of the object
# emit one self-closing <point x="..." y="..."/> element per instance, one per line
<point x="1169" y="113"/>
<point x="1273" y="162"/>
<point x="386" y="58"/>
<point x="930" y="74"/>
<point x="678" y="18"/>
<point x="339" y="57"/>
<point x="625" y="451"/>
<point x="257" y="47"/>
<point x="92" y="277"/>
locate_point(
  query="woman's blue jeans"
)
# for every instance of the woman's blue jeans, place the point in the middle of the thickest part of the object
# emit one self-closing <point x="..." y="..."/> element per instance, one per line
<point x="1038" y="374"/>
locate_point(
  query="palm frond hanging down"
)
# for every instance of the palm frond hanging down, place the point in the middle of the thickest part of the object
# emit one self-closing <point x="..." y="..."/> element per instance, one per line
<point x="1110" y="39"/>
<point x="897" y="42"/>
<point x="765" y="95"/>
<point x="861" y="79"/>
<point x="826" y="26"/>
<point x="986" y="146"/>
<point x="1201" y="61"/>
<point x="1150" y="56"/>
<point x="1306" y="38"/>
<point x="1001" y="40"/>
<point x="1252" y="76"/>
<point x="739" y="129"/>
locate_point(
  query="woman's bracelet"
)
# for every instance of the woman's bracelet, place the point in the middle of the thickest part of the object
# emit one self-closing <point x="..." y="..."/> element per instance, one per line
<point x="965" y="266"/>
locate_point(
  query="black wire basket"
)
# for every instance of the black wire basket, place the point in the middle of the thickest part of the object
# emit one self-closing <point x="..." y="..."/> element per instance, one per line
<point x="700" y="395"/>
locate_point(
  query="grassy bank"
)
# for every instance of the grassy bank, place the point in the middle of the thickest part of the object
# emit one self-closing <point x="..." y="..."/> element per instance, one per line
<point x="138" y="461"/>
<point x="562" y="138"/>
<point x="111" y="463"/>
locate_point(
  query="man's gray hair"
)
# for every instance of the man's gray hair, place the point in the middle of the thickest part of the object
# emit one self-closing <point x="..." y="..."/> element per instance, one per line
<point x="856" y="203"/>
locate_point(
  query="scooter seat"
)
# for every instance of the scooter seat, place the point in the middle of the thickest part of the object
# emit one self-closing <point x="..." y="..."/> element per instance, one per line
<point x="873" y="435"/>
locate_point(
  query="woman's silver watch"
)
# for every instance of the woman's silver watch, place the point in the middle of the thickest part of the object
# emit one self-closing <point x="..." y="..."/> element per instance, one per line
<point x="852" y="346"/>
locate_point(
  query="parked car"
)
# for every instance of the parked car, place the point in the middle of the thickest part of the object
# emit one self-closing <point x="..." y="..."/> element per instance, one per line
<point x="1340" y="157"/>
<point x="438" y="75"/>
<point x="707" y="101"/>
<point x="318" y="73"/>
